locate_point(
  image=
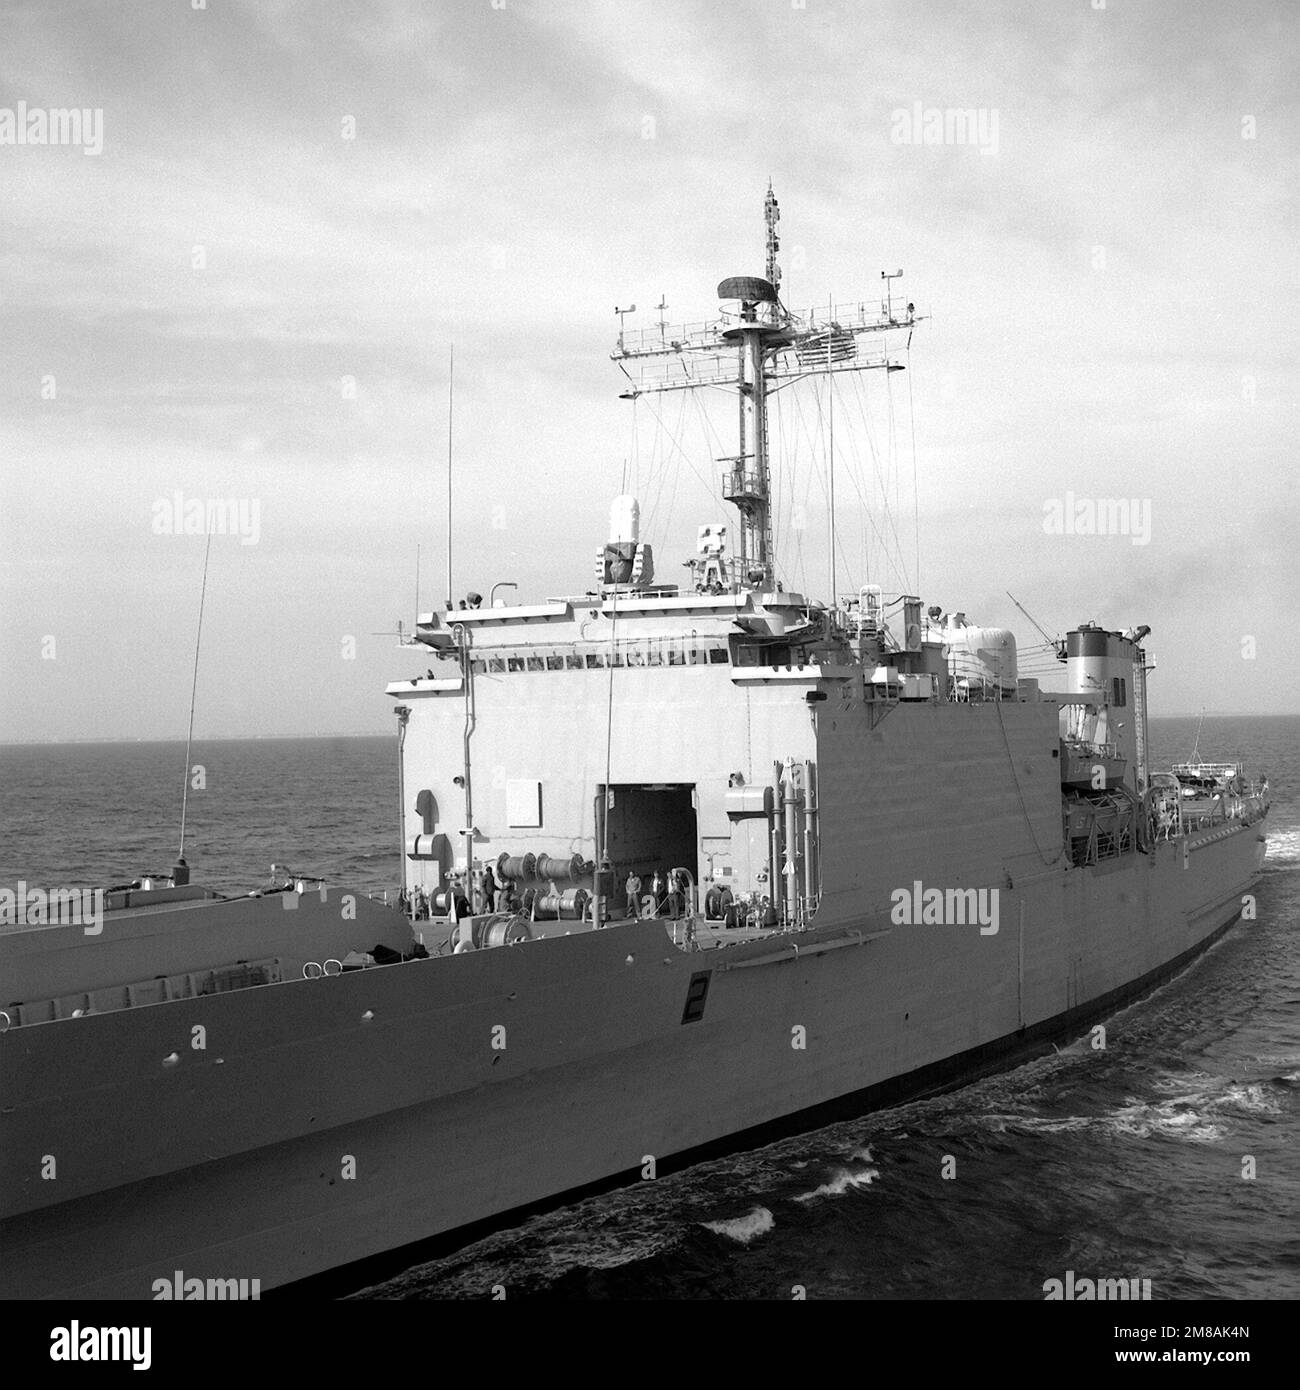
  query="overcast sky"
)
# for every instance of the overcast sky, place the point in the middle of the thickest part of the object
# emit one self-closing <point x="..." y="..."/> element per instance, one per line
<point x="294" y="197"/>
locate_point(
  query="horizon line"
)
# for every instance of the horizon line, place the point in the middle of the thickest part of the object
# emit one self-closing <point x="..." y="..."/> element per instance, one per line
<point x="304" y="738"/>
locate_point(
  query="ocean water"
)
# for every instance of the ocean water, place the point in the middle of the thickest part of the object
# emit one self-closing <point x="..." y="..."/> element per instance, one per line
<point x="93" y="814"/>
<point x="1126" y="1162"/>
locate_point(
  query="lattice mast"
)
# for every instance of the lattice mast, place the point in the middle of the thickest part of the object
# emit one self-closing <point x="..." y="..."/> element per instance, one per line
<point x="754" y="349"/>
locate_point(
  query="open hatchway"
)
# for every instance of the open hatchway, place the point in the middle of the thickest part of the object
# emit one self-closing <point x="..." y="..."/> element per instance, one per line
<point x="653" y="829"/>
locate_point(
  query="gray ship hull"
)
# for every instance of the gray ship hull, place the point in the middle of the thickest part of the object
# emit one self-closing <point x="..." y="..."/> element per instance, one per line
<point x="331" y="1120"/>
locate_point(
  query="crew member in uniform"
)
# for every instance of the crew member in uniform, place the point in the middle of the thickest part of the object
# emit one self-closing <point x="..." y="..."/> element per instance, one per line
<point x="487" y="890"/>
<point x="460" y="902"/>
<point x="677" y="893"/>
<point x="633" y="887"/>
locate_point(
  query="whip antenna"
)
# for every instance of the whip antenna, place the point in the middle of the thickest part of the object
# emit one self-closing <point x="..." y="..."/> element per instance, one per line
<point x="194" y="688"/>
<point x="451" y="397"/>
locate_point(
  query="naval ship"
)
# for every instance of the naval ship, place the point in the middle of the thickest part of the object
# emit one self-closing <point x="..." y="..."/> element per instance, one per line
<point x="683" y="865"/>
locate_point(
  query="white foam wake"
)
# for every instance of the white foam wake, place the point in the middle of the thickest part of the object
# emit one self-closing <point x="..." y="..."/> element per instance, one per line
<point x="1170" y="1119"/>
<point x="1198" y="1091"/>
<point x="842" y="1181"/>
<point x="1253" y="1098"/>
<point x="1196" y="1107"/>
<point x="1035" y="1124"/>
<point x="745" y="1228"/>
<point x="1283" y="846"/>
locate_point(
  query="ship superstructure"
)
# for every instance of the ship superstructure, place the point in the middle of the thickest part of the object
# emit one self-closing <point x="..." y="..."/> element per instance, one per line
<point x="639" y="729"/>
<point x="682" y="863"/>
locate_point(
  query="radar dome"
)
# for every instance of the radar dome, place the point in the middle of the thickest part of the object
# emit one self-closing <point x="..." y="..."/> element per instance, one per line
<point x="624" y="520"/>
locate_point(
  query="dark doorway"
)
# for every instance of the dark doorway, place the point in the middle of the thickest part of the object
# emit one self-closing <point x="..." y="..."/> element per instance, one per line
<point x="652" y="829"/>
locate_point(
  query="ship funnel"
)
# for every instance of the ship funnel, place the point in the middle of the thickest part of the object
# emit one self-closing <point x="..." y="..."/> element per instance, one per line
<point x="624" y="520"/>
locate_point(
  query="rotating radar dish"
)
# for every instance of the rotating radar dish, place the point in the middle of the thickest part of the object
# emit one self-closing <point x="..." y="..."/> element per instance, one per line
<point x="750" y="289"/>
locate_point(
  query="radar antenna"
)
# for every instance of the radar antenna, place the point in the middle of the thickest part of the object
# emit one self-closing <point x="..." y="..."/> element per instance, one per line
<point x="181" y="873"/>
<point x="771" y="216"/>
<point x="754" y="348"/>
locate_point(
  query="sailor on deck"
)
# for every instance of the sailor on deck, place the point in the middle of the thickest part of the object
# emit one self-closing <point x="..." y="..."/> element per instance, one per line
<point x="487" y="891"/>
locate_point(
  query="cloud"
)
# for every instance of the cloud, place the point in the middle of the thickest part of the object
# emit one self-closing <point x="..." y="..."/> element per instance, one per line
<point x="510" y="175"/>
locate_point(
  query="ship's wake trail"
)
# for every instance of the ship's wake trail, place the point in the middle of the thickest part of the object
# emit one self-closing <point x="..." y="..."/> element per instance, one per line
<point x="1201" y="1110"/>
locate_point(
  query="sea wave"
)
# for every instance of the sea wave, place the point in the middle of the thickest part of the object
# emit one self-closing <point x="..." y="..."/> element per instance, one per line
<point x="1196" y="1107"/>
<point x="1035" y="1124"/>
<point x="1196" y="1090"/>
<point x="841" y="1181"/>
<point x="743" y="1229"/>
<point x="533" y="1256"/>
<point x="1166" y="1119"/>
<point x="1283" y="846"/>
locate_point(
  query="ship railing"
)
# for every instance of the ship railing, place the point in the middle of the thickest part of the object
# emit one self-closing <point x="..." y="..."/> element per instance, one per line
<point x="672" y="338"/>
<point x="1091" y="748"/>
<point x="856" y="316"/>
<point x="591" y="599"/>
<point x="964" y="687"/>
<point x="1220" y="810"/>
<point x="1208" y="771"/>
<point x="1112" y="831"/>
<point x="743" y="482"/>
<point x="1193" y="818"/>
<point x="704" y="336"/>
<point x="686" y="366"/>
